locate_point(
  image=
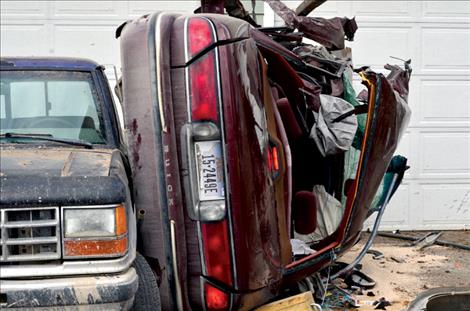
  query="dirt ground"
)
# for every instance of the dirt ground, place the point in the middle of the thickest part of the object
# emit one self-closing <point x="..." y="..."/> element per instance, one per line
<point x="405" y="271"/>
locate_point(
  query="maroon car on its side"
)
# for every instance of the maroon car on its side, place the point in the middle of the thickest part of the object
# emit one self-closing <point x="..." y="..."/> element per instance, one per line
<point x="219" y="117"/>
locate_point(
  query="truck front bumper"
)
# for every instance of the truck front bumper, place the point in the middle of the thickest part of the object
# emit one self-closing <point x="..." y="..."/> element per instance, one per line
<point x="110" y="292"/>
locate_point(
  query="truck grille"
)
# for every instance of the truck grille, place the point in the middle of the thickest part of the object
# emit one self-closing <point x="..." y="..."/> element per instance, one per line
<point x="29" y="234"/>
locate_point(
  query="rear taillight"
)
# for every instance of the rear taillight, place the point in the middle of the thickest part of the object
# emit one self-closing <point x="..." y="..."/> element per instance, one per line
<point x="207" y="161"/>
<point x="216" y="299"/>
<point x="217" y="251"/>
<point x="202" y="74"/>
<point x="200" y="35"/>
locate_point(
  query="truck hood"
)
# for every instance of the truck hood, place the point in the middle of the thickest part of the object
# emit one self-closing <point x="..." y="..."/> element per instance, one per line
<point x="54" y="162"/>
<point x="58" y="177"/>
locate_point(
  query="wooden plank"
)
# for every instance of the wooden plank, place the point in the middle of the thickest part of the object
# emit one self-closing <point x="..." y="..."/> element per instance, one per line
<point x="300" y="302"/>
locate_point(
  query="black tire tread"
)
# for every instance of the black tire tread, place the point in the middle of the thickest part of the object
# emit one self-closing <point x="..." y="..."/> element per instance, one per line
<point x="147" y="297"/>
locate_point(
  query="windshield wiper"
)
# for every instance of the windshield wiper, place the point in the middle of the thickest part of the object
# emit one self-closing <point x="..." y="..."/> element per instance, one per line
<point x="48" y="137"/>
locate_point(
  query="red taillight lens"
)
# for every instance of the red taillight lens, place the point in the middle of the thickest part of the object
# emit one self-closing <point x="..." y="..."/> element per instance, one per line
<point x="215" y="298"/>
<point x="200" y="35"/>
<point x="273" y="159"/>
<point x="217" y="251"/>
<point x="202" y="74"/>
<point x="203" y="89"/>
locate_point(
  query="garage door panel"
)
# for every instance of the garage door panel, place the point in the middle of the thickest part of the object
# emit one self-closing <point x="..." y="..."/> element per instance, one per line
<point x="445" y="102"/>
<point x="384" y="42"/>
<point x="24" y="9"/>
<point x="404" y="149"/>
<point x="450" y="10"/>
<point x="382" y="9"/>
<point x="395" y="213"/>
<point x="138" y="8"/>
<point x="92" y="9"/>
<point x="445" y="204"/>
<point x="89" y="41"/>
<point x="331" y="9"/>
<point x="445" y="50"/>
<point x="24" y="40"/>
<point x="413" y="97"/>
<point x="445" y="155"/>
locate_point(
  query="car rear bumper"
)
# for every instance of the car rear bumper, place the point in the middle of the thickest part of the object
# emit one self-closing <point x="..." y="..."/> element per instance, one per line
<point x="114" y="292"/>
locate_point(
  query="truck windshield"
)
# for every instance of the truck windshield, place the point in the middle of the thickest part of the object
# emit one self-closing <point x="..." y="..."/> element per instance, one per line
<point x="59" y="104"/>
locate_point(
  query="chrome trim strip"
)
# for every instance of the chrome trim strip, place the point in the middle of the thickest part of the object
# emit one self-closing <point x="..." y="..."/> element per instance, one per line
<point x="3" y="233"/>
<point x="31" y="241"/>
<point x="68" y="268"/>
<point x="158" y="69"/>
<point x="186" y="69"/>
<point x="224" y="155"/>
<point x="179" y="295"/>
<point x="28" y="224"/>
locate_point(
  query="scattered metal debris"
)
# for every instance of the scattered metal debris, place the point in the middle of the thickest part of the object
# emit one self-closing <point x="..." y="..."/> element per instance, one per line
<point x="381" y="304"/>
<point x="359" y="279"/>
<point x="397" y="259"/>
<point x="375" y="254"/>
<point x="397" y="235"/>
<point x="428" y="240"/>
<point x="338" y="298"/>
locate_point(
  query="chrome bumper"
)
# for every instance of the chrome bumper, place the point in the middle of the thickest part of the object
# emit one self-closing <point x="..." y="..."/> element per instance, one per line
<point x="115" y="292"/>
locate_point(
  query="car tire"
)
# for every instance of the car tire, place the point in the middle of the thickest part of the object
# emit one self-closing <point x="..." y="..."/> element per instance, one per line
<point x="147" y="297"/>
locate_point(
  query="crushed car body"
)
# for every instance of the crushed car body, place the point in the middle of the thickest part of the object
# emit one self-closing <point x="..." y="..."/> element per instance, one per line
<point x="236" y="133"/>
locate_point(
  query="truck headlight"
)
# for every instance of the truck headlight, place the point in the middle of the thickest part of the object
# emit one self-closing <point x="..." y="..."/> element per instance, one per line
<point x="94" y="231"/>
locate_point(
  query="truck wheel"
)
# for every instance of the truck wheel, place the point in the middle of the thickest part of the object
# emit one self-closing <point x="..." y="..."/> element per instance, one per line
<point x="147" y="297"/>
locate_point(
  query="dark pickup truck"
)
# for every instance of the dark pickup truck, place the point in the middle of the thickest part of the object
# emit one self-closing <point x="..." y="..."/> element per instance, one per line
<point x="68" y="227"/>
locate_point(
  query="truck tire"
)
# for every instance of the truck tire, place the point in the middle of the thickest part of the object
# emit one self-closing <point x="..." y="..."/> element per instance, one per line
<point x="147" y="297"/>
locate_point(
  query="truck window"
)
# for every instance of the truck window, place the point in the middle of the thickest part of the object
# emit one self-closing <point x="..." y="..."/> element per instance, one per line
<point x="60" y="103"/>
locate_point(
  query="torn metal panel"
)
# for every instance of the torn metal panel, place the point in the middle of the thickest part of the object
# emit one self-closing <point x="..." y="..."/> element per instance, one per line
<point x="328" y="32"/>
<point x="307" y="6"/>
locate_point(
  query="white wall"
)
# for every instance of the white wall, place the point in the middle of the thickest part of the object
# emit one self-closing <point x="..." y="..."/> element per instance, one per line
<point x="73" y="28"/>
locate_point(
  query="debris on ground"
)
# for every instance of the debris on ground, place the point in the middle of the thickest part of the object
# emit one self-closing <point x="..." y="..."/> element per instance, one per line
<point x="338" y="298"/>
<point x="421" y="270"/>
<point x="375" y="254"/>
<point x="397" y="235"/>
<point x="381" y="304"/>
<point x="359" y="279"/>
<point x="397" y="259"/>
<point x="427" y="240"/>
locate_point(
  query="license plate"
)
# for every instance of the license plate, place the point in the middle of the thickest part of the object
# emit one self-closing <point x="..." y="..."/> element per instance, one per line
<point x="210" y="170"/>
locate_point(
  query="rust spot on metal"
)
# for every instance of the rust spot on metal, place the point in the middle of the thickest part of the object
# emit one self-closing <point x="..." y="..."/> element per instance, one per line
<point x="136" y="150"/>
<point x="134" y="127"/>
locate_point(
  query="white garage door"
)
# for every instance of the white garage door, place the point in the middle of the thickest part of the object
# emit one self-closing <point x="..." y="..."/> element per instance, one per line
<point x="435" y="34"/>
<point x="73" y="28"/>
<point x="83" y="29"/>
